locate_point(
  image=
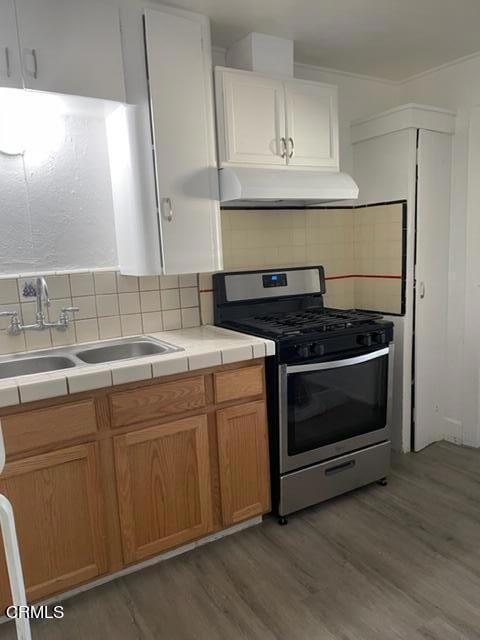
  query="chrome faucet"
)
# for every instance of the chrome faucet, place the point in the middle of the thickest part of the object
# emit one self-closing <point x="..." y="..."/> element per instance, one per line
<point x="41" y="320"/>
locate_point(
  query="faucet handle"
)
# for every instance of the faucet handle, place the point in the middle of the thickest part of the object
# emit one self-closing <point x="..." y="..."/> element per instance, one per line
<point x="70" y="309"/>
<point x="14" y="327"/>
<point x="64" y="319"/>
<point x="12" y="314"/>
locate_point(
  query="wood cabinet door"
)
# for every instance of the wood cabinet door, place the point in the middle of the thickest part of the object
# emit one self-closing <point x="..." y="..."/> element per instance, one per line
<point x="71" y="47"/>
<point x="10" y="68"/>
<point x="251" y="118"/>
<point x="179" y="72"/>
<point x="312" y="124"/>
<point x="56" y="499"/>
<point x="164" y="487"/>
<point x="243" y="461"/>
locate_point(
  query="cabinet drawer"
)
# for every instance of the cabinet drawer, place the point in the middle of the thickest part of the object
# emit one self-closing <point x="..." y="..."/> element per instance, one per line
<point x="241" y="383"/>
<point x="169" y="398"/>
<point x="42" y="427"/>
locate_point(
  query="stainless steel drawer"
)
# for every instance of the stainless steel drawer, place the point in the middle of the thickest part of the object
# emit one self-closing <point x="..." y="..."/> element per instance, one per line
<point x="320" y="482"/>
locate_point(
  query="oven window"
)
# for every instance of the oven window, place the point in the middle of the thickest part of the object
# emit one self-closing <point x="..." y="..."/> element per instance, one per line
<point x="330" y="405"/>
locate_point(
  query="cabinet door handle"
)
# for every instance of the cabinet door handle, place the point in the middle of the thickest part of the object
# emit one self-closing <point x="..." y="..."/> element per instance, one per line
<point x="292" y="147"/>
<point x="284" y="147"/>
<point x="7" y="62"/>
<point x="421" y="290"/>
<point x="167" y="208"/>
<point x="34" y="73"/>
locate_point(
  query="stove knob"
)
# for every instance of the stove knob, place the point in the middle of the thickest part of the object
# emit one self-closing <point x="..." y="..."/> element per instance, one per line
<point x="303" y="351"/>
<point x="379" y="338"/>
<point x="365" y="340"/>
<point x="319" y="349"/>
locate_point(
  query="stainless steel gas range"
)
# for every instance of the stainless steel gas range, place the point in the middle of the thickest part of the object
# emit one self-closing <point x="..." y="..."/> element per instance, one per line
<point x="329" y="384"/>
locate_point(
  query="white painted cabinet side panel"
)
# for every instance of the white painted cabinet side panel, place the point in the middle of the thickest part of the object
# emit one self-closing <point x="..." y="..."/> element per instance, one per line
<point x="433" y="222"/>
<point x="10" y="66"/>
<point x="71" y="47"/>
<point x="252" y="118"/>
<point x="312" y="124"/>
<point x="179" y="66"/>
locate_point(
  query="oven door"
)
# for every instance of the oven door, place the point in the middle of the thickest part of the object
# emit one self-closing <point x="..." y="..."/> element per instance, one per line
<point x="330" y="408"/>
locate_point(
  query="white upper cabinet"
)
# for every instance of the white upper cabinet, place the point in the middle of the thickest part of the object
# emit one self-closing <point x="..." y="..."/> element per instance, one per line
<point x="10" y="68"/>
<point x="72" y="47"/>
<point x="275" y="121"/>
<point x="312" y="124"/>
<point x="167" y="210"/>
<point x="254" y="118"/>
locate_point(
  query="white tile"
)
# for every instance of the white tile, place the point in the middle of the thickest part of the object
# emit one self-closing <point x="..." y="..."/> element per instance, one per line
<point x="168" y="282"/>
<point x="86" y="380"/>
<point x="152" y="322"/>
<point x="86" y="330"/>
<point x="126" y="284"/>
<point x="9" y="394"/>
<point x="203" y="360"/>
<point x="150" y="301"/>
<point x="105" y="282"/>
<point x="172" y="319"/>
<point x="54" y="309"/>
<point x="170" y="299"/>
<point x="188" y="280"/>
<point x="58" y="287"/>
<point x="11" y="344"/>
<point x="60" y="338"/>
<point x="81" y="284"/>
<point x="42" y="387"/>
<point x="170" y="366"/>
<point x="131" y="325"/>
<point x="129" y="303"/>
<point x="107" y="305"/>
<point x="237" y="354"/>
<point x="87" y="306"/>
<point x="109" y="327"/>
<point x="38" y="339"/>
<point x="189" y="297"/>
<point x="190" y="317"/>
<point x="122" y="374"/>
<point x="258" y="349"/>
<point x="8" y="291"/>
<point x="269" y="348"/>
<point x="149" y="283"/>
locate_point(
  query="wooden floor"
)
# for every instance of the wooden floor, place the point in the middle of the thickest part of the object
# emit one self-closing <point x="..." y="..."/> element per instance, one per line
<point x="378" y="564"/>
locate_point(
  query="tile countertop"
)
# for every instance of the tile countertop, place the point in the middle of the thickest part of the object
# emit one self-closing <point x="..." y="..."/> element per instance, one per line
<point x="205" y="346"/>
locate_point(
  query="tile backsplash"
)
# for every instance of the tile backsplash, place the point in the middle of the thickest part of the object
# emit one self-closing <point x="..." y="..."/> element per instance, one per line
<point x="111" y="305"/>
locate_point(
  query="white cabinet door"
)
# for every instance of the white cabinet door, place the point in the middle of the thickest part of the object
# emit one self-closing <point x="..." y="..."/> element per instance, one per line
<point x="72" y="47"/>
<point x="10" y="68"/>
<point x="251" y="110"/>
<point x="179" y="70"/>
<point x="312" y="124"/>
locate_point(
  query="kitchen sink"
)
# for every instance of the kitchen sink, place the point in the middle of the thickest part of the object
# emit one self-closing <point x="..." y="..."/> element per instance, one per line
<point x="123" y="351"/>
<point x="80" y="356"/>
<point x="20" y="366"/>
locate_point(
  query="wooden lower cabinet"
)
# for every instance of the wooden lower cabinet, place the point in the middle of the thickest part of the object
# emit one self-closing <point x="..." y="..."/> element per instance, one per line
<point x="243" y="461"/>
<point x="163" y="484"/>
<point x="59" y="519"/>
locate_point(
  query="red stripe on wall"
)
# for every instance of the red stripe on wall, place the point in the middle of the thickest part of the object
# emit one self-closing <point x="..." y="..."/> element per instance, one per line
<point x="362" y="275"/>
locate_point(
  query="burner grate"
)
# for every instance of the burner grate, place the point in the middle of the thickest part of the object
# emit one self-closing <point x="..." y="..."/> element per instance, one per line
<point x="321" y="319"/>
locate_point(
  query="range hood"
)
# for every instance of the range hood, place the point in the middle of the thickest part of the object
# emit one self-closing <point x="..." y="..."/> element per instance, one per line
<point x="247" y="187"/>
<point x="273" y="186"/>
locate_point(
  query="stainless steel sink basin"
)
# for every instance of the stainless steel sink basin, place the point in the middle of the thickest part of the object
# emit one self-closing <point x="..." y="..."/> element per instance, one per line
<point x="23" y="366"/>
<point x="81" y="356"/>
<point x="122" y="351"/>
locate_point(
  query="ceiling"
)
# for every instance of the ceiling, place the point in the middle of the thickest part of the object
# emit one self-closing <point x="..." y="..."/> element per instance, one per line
<point x="391" y="39"/>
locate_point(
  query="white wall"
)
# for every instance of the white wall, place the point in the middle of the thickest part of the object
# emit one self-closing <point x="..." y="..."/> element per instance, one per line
<point x="56" y="208"/>
<point x="456" y="87"/>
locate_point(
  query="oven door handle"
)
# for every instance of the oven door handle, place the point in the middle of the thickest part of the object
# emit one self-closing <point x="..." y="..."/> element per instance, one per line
<point x="335" y="364"/>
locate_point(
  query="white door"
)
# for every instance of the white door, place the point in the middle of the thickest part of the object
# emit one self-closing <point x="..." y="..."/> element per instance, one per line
<point x="312" y="124"/>
<point x="10" y="68"/>
<point x="431" y="290"/>
<point x="251" y="110"/>
<point x="179" y="69"/>
<point x="72" y="47"/>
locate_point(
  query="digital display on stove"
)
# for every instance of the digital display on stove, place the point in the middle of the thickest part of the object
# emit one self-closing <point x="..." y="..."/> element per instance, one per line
<point x="274" y="280"/>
